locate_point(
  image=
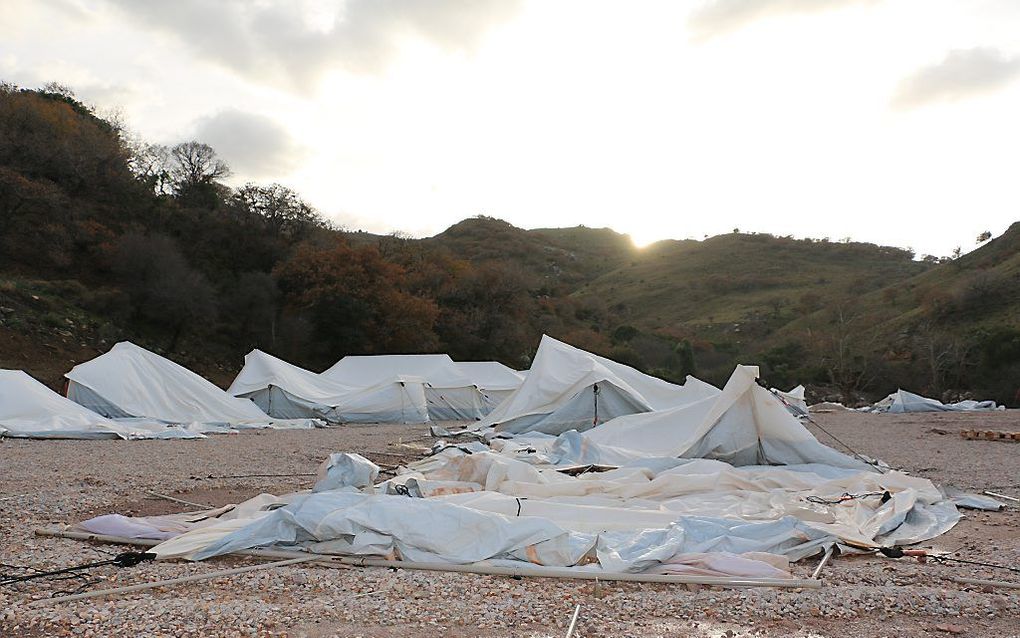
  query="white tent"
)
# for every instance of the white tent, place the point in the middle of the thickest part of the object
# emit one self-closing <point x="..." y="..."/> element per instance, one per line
<point x="493" y="379"/>
<point x="744" y="425"/>
<point x="450" y="395"/>
<point x="28" y="409"/>
<point x="284" y="390"/>
<point x="903" y="401"/>
<point x="570" y="389"/>
<point x="129" y="381"/>
<point x="795" y="400"/>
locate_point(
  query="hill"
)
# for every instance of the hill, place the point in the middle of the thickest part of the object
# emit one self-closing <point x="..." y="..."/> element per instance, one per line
<point x="689" y="285"/>
<point x="955" y="325"/>
<point x="105" y="238"/>
<point x="559" y="259"/>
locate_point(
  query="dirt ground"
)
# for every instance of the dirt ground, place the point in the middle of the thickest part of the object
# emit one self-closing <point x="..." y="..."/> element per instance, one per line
<point x="52" y="482"/>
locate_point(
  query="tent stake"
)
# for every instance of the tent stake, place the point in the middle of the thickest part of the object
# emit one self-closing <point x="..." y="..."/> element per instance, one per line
<point x="482" y="568"/>
<point x="194" y="578"/>
<point x="821" y="564"/>
<point x="573" y="621"/>
<point x="1002" y="496"/>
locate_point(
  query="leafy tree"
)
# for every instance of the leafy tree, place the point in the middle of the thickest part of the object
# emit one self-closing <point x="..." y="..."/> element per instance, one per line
<point x="353" y="300"/>
<point x="276" y="208"/>
<point x="624" y="333"/>
<point x="685" y="364"/>
<point x="252" y="305"/>
<point x="487" y="312"/>
<point x="165" y="290"/>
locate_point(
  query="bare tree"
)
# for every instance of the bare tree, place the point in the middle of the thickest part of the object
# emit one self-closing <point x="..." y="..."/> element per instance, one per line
<point x="946" y="357"/>
<point x="848" y="351"/>
<point x="153" y="164"/>
<point x="281" y="209"/>
<point x="196" y="164"/>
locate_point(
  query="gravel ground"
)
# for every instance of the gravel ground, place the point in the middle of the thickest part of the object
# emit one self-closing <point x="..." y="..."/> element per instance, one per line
<point x="46" y="482"/>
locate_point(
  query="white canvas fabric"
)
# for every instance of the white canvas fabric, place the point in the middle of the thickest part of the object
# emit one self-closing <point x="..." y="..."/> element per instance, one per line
<point x="449" y="394"/>
<point x="743" y="425"/>
<point x="687" y="489"/>
<point x="570" y="389"/>
<point x="28" y="409"/>
<point x="632" y="519"/>
<point x="130" y="381"/>
<point x="493" y="379"/>
<point x="795" y="399"/>
<point x="284" y="390"/>
<point x="904" y="401"/>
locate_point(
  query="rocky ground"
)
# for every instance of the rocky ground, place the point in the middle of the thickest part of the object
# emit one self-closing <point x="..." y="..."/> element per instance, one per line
<point x="49" y="482"/>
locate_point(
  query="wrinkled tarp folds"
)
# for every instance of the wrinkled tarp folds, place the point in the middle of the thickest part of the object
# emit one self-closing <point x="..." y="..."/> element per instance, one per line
<point x="905" y="401"/>
<point x="493" y="379"/>
<point x="627" y="520"/>
<point x="743" y="425"/>
<point x="450" y="395"/>
<point x="129" y="381"/>
<point x="902" y="401"/>
<point x="724" y="481"/>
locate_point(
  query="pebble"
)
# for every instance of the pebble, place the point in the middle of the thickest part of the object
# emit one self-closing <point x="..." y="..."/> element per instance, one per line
<point x="863" y="596"/>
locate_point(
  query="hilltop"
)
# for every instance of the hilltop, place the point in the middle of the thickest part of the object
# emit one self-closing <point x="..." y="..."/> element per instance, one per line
<point x="559" y="259"/>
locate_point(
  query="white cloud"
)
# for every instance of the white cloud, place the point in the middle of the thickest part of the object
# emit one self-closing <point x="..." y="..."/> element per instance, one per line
<point x="294" y="43"/>
<point x="961" y="74"/>
<point x="716" y="17"/>
<point x="253" y="145"/>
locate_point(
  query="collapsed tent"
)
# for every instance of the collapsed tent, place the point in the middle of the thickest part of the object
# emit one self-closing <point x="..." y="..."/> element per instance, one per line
<point x="745" y="424"/>
<point x="493" y="379"/>
<point x="28" y="409"/>
<point x="129" y="381"/>
<point x="449" y="394"/>
<point x="519" y="502"/>
<point x="570" y="389"/>
<point x="283" y="390"/>
<point x="905" y="401"/>
<point x="902" y="401"/>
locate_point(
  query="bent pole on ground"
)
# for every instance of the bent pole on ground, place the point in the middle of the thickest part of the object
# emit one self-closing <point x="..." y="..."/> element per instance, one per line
<point x="822" y="563"/>
<point x="530" y="571"/>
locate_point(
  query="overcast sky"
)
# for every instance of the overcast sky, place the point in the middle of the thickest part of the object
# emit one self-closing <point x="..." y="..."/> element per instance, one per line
<point x="890" y="121"/>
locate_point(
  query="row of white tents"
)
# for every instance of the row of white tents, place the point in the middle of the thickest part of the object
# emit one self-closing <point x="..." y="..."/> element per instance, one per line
<point x="132" y="393"/>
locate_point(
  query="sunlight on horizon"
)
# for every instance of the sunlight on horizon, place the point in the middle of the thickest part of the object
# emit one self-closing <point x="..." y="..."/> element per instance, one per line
<point x="634" y="120"/>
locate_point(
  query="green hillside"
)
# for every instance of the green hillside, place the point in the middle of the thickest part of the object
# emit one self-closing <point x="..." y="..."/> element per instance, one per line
<point x="956" y="324"/>
<point x="728" y="279"/>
